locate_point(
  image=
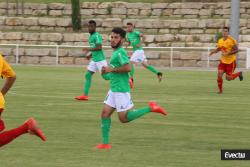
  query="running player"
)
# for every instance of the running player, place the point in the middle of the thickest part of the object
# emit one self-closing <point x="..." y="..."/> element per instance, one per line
<point x="227" y="45"/>
<point x="97" y="55"/>
<point x="30" y="126"/>
<point x="135" y="38"/>
<point x="118" y="97"/>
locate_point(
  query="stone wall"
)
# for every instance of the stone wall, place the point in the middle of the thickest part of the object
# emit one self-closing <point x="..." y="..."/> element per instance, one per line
<point x="158" y="32"/>
<point x="164" y="24"/>
<point x="129" y="10"/>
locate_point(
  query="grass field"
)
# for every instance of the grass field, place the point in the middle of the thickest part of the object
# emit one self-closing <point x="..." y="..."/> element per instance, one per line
<point x="200" y="122"/>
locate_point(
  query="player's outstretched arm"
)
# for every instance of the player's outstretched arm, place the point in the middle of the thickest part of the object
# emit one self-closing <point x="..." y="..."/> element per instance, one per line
<point x="214" y="51"/>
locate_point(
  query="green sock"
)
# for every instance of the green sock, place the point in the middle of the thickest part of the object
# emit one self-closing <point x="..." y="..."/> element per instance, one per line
<point x="132" y="70"/>
<point x="132" y="115"/>
<point x="106" y="122"/>
<point x="88" y="78"/>
<point x="152" y="69"/>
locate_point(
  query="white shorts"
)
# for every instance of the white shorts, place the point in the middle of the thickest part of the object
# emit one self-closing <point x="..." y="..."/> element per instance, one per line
<point x="138" y="56"/>
<point x="119" y="100"/>
<point x="94" y="66"/>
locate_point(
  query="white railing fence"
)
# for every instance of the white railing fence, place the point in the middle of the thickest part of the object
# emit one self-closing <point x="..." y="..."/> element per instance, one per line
<point x="172" y="50"/>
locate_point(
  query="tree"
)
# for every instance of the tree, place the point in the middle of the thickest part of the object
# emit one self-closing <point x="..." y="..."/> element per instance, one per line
<point x="76" y="15"/>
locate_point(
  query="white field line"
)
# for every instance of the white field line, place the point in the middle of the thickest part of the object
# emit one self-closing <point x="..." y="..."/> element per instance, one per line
<point x="62" y="96"/>
<point x="43" y="96"/>
<point x="62" y="104"/>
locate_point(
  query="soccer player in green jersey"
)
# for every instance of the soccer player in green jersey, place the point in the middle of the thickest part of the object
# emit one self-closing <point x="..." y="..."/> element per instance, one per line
<point x="98" y="58"/>
<point x="135" y="39"/>
<point x="118" y="97"/>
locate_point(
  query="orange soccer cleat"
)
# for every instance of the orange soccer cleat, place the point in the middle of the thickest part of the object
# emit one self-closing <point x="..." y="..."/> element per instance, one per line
<point x="156" y="108"/>
<point x="82" y="97"/>
<point x="104" y="146"/>
<point x="131" y="83"/>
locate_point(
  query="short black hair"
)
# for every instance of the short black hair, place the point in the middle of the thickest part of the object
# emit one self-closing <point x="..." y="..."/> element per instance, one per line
<point x="226" y="28"/>
<point x="92" y="22"/>
<point x="129" y="23"/>
<point x="119" y="31"/>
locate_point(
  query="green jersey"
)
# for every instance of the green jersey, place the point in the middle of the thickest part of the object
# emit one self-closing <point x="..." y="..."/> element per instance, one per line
<point x="119" y="82"/>
<point x="94" y="40"/>
<point x="134" y="38"/>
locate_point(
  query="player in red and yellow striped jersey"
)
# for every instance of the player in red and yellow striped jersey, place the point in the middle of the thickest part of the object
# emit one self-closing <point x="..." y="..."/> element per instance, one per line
<point x="228" y="47"/>
<point x="30" y="126"/>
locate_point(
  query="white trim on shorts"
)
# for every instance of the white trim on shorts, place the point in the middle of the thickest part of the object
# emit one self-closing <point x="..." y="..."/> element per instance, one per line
<point x="121" y="101"/>
<point x="97" y="66"/>
<point x="138" y="56"/>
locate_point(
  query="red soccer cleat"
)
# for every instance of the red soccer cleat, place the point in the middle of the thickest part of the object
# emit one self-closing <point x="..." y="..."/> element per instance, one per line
<point x="82" y="97"/>
<point x="131" y="83"/>
<point x="33" y="128"/>
<point x="104" y="146"/>
<point x="156" y="108"/>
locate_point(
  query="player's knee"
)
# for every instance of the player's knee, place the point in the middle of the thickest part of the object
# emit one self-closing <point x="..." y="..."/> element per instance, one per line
<point x="105" y="114"/>
<point x="123" y="120"/>
<point x="220" y="75"/>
